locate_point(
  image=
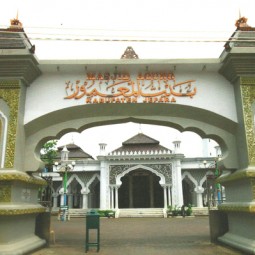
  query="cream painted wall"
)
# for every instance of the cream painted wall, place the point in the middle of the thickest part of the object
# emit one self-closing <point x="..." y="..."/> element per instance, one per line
<point x="46" y="94"/>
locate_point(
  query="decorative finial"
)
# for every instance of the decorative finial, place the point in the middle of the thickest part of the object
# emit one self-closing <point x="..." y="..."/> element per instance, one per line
<point x="241" y="22"/>
<point x="15" y="23"/>
<point x="129" y="54"/>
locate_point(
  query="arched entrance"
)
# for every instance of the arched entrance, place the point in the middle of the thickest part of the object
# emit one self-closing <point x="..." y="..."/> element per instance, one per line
<point x="188" y="190"/>
<point x="140" y="189"/>
<point x="94" y="195"/>
<point x="74" y="196"/>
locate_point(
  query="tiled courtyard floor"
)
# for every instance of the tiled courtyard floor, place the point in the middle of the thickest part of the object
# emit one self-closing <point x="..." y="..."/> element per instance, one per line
<point x="138" y="236"/>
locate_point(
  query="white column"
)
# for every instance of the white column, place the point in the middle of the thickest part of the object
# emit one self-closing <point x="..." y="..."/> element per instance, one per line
<point x="85" y="193"/>
<point x="61" y="192"/>
<point x="165" y="196"/>
<point x="116" y="198"/>
<point x="199" y="190"/>
<point x="177" y="196"/>
<point x="104" y="184"/>
<point x="169" y="195"/>
<point x="55" y="200"/>
<point x="112" y="197"/>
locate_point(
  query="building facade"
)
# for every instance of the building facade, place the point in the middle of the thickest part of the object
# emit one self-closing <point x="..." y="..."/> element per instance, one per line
<point x="139" y="174"/>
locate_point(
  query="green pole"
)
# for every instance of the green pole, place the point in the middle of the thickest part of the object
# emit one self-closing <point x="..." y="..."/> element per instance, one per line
<point x="65" y="183"/>
<point x="218" y="186"/>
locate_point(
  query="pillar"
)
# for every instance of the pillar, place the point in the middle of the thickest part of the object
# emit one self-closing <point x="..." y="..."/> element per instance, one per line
<point x="165" y="196"/>
<point x="104" y="184"/>
<point x="199" y="192"/>
<point x="169" y="195"/>
<point x="55" y="200"/>
<point x="62" y="197"/>
<point x="240" y="185"/>
<point x="177" y="193"/>
<point x="116" y="198"/>
<point x="112" y="197"/>
<point x="85" y="193"/>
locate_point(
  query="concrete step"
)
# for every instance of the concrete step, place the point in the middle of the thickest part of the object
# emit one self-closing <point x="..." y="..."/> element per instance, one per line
<point x="77" y="213"/>
<point x="198" y="211"/>
<point x="141" y="212"/>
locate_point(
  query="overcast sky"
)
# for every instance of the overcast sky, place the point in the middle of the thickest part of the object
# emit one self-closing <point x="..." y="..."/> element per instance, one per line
<point x="171" y="21"/>
<point x="167" y="20"/>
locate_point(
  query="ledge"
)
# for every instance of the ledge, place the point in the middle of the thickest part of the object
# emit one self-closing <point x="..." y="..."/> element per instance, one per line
<point x="237" y="207"/>
<point x="20" y="209"/>
<point x="238" y="175"/>
<point x="14" y="175"/>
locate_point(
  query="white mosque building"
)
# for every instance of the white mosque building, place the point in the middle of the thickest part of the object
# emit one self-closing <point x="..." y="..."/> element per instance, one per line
<point x="140" y="174"/>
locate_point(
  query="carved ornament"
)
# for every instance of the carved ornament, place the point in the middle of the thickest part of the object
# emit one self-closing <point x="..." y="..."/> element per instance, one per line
<point x="5" y="193"/>
<point x="10" y="93"/>
<point x="248" y="96"/>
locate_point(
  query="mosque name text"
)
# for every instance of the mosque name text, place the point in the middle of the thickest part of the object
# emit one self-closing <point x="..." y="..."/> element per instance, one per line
<point x="150" y="87"/>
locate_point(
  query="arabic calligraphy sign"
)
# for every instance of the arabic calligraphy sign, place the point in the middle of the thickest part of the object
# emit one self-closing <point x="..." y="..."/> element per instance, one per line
<point x="149" y="87"/>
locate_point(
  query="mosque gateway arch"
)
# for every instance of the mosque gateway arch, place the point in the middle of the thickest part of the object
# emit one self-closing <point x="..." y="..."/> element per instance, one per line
<point x="43" y="100"/>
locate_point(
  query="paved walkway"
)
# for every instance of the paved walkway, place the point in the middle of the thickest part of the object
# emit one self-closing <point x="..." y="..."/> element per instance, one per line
<point x="138" y="236"/>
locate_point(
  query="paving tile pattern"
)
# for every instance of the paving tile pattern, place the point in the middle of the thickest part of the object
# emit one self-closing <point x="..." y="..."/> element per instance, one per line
<point x="138" y="236"/>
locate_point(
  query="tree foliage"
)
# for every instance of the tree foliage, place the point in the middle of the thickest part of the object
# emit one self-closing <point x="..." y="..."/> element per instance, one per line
<point x="49" y="152"/>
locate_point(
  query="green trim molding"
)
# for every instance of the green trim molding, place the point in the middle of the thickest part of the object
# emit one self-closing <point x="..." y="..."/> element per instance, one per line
<point x="10" y="93"/>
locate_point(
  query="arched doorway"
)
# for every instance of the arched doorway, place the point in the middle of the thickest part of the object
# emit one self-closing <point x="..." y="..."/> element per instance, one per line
<point x="140" y="189"/>
<point x="94" y="195"/>
<point x="188" y="188"/>
<point x="75" y="194"/>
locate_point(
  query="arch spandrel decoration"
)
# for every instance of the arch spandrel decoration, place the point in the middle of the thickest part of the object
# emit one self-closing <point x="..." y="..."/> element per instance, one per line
<point x="248" y="96"/>
<point x="10" y="93"/>
<point x="162" y="169"/>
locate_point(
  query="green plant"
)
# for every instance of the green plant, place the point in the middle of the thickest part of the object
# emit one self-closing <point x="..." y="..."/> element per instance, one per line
<point x="169" y="208"/>
<point x="176" y="211"/>
<point x="189" y="210"/>
<point x="106" y="213"/>
<point x="49" y="153"/>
